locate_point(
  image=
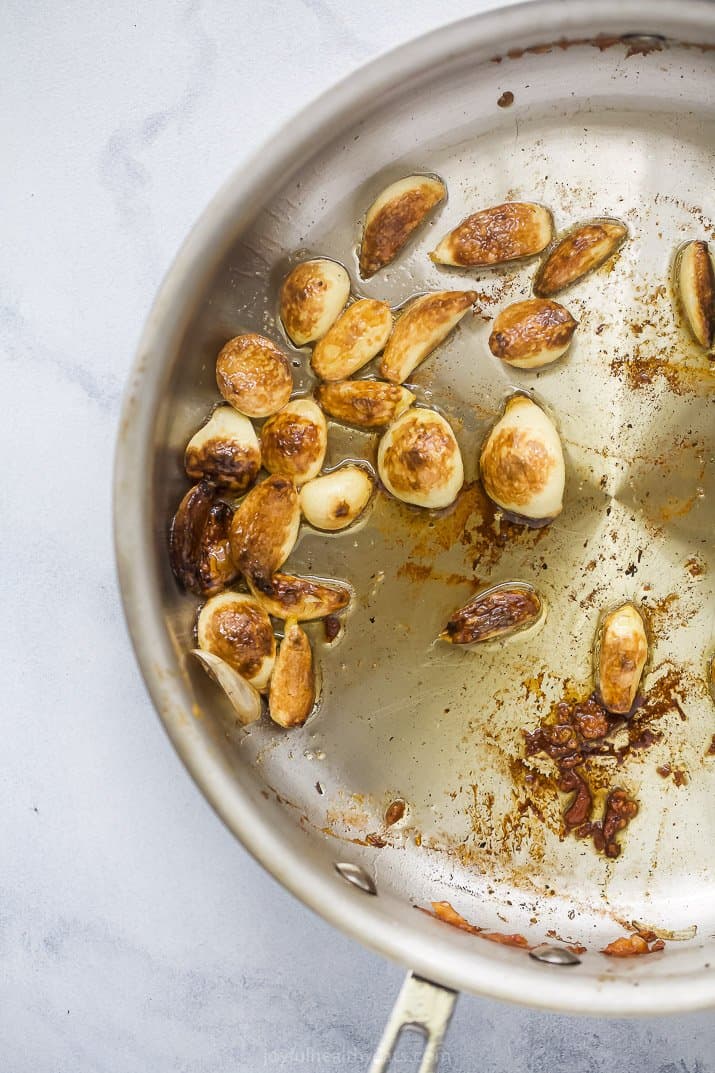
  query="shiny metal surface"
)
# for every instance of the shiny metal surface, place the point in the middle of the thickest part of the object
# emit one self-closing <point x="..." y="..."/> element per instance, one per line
<point x="617" y="128"/>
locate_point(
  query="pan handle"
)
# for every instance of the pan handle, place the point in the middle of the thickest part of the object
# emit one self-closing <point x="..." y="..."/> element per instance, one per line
<point x="422" y="1005"/>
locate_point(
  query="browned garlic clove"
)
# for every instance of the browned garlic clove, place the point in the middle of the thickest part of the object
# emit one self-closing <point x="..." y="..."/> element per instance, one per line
<point x="336" y="499"/>
<point x="423" y="325"/>
<point x="419" y="460"/>
<point x="265" y="527"/>
<point x="496" y="613"/>
<point x="292" y="694"/>
<point x="253" y="375"/>
<point x="302" y="598"/>
<point x="531" y="334"/>
<point x="365" y="403"/>
<point x="579" y="252"/>
<point x="313" y="296"/>
<point x="497" y="235"/>
<point x="356" y="337"/>
<point x="225" y="450"/>
<point x="234" y="627"/>
<point x="696" y="286"/>
<point x="294" y="441"/>
<point x="244" y="698"/>
<point x="199" y="546"/>
<point x="522" y="463"/>
<point x="394" y="216"/>
<point x="621" y="654"/>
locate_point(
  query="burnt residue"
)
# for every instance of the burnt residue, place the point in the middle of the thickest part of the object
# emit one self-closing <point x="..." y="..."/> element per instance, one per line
<point x="506" y="99"/>
<point x="331" y="627"/>
<point x="635" y="45"/>
<point x="445" y="912"/>
<point x="394" y="812"/>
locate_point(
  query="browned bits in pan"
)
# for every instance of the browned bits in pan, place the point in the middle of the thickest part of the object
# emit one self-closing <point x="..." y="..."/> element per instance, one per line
<point x="621" y="654"/>
<point x="234" y="627"/>
<point x="254" y="375"/>
<point x="302" y="598"/>
<point x="496" y="613"/>
<point x="532" y="333"/>
<point x="696" y="287"/>
<point x="199" y="547"/>
<point x="356" y="337"/>
<point x="293" y="441"/>
<point x="394" y="812"/>
<point x="292" y="693"/>
<point x="313" y="296"/>
<point x="497" y="235"/>
<point x="225" y="450"/>
<point x="364" y="403"/>
<point x="423" y="325"/>
<point x="582" y="250"/>
<point x="265" y="527"/>
<point x="394" y="216"/>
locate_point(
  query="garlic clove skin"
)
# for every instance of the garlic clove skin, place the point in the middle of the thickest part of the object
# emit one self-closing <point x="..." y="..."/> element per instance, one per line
<point x="313" y="296"/>
<point x="225" y="450"/>
<point x="302" y="598"/>
<point x="253" y="375"/>
<point x="292" y="694"/>
<point x="522" y="464"/>
<point x="265" y="527"/>
<point x="696" y="286"/>
<point x="364" y="403"/>
<point x="531" y="334"/>
<point x="356" y="337"/>
<point x="234" y="627"/>
<point x="621" y="654"/>
<point x="419" y="460"/>
<point x="336" y="499"/>
<point x="199" y="542"/>
<point x="582" y="250"/>
<point x="294" y="441"/>
<point x="496" y="236"/>
<point x="393" y="217"/>
<point x="497" y="613"/>
<point x="244" y="698"/>
<point x="424" y="324"/>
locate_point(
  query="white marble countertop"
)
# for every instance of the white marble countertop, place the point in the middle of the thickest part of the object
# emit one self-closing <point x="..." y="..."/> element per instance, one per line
<point x="135" y="933"/>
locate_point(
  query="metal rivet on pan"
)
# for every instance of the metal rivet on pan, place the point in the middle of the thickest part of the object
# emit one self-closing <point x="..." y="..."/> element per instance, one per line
<point x="645" y="39"/>
<point x="357" y="876"/>
<point x="554" y="955"/>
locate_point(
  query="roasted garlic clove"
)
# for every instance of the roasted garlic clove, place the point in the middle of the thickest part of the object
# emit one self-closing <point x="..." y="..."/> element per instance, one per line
<point x="234" y="627"/>
<point x="336" y="499"/>
<point x="225" y="450"/>
<point x="301" y="598"/>
<point x="419" y="460"/>
<point x="245" y="698"/>
<point x="365" y="403"/>
<point x="496" y="613"/>
<point x="579" y="252"/>
<point x="199" y="547"/>
<point x="356" y="337"/>
<point x="265" y="527"/>
<point x="292" y="694"/>
<point x="424" y="324"/>
<point x="293" y="441"/>
<point x="621" y="654"/>
<point x="522" y="463"/>
<point x="696" y="285"/>
<point x="313" y="296"/>
<point x="497" y="235"/>
<point x="254" y="375"/>
<point x="533" y="333"/>
<point x="393" y="216"/>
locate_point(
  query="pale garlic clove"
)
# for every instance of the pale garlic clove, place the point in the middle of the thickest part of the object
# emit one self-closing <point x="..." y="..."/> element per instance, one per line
<point x="356" y="337"/>
<point x="313" y="296"/>
<point x="497" y="235"/>
<point x="364" y="403"/>
<point x="292" y="694"/>
<point x="244" y="698"/>
<point x="253" y="375"/>
<point x="696" y="286"/>
<point x="394" y="215"/>
<point x="265" y="527"/>
<point x="236" y="628"/>
<point x="710" y="676"/>
<point x="302" y="598"/>
<point x="419" y="460"/>
<point x="582" y="250"/>
<point x="532" y="333"/>
<point x="336" y="499"/>
<point x="423" y="325"/>
<point x="225" y="450"/>
<point x="498" y="612"/>
<point x="522" y="463"/>
<point x="294" y="441"/>
<point x="199" y="544"/>
<point x="621" y="654"/>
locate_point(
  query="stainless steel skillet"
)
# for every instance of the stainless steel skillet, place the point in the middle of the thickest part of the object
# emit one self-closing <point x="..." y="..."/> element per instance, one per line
<point x="603" y="123"/>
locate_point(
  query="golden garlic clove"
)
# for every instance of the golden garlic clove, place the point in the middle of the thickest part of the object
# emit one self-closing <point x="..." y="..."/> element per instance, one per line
<point x="292" y="694"/>
<point x="419" y="460"/>
<point x="293" y="441"/>
<point x="244" y="698"/>
<point x="497" y="235"/>
<point x="621" y="654"/>
<point x="225" y="450"/>
<point x="356" y="337"/>
<point x="496" y="613"/>
<point x="696" y="285"/>
<point x="531" y="334"/>
<point x="234" y="627"/>
<point x="301" y="598"/>
<point x="582" y="250"/>
<point x="199" y="545"/>
<point x="423" y="325"/>
<point x="394" y="216"/>
<point x="336" y="499"/>
<point x="365" y="403"/>
<point x="265" y="527"/>
<point x="522" y="463"/>
<point x="253" y="375"/>
<point x="313" y="296"/>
